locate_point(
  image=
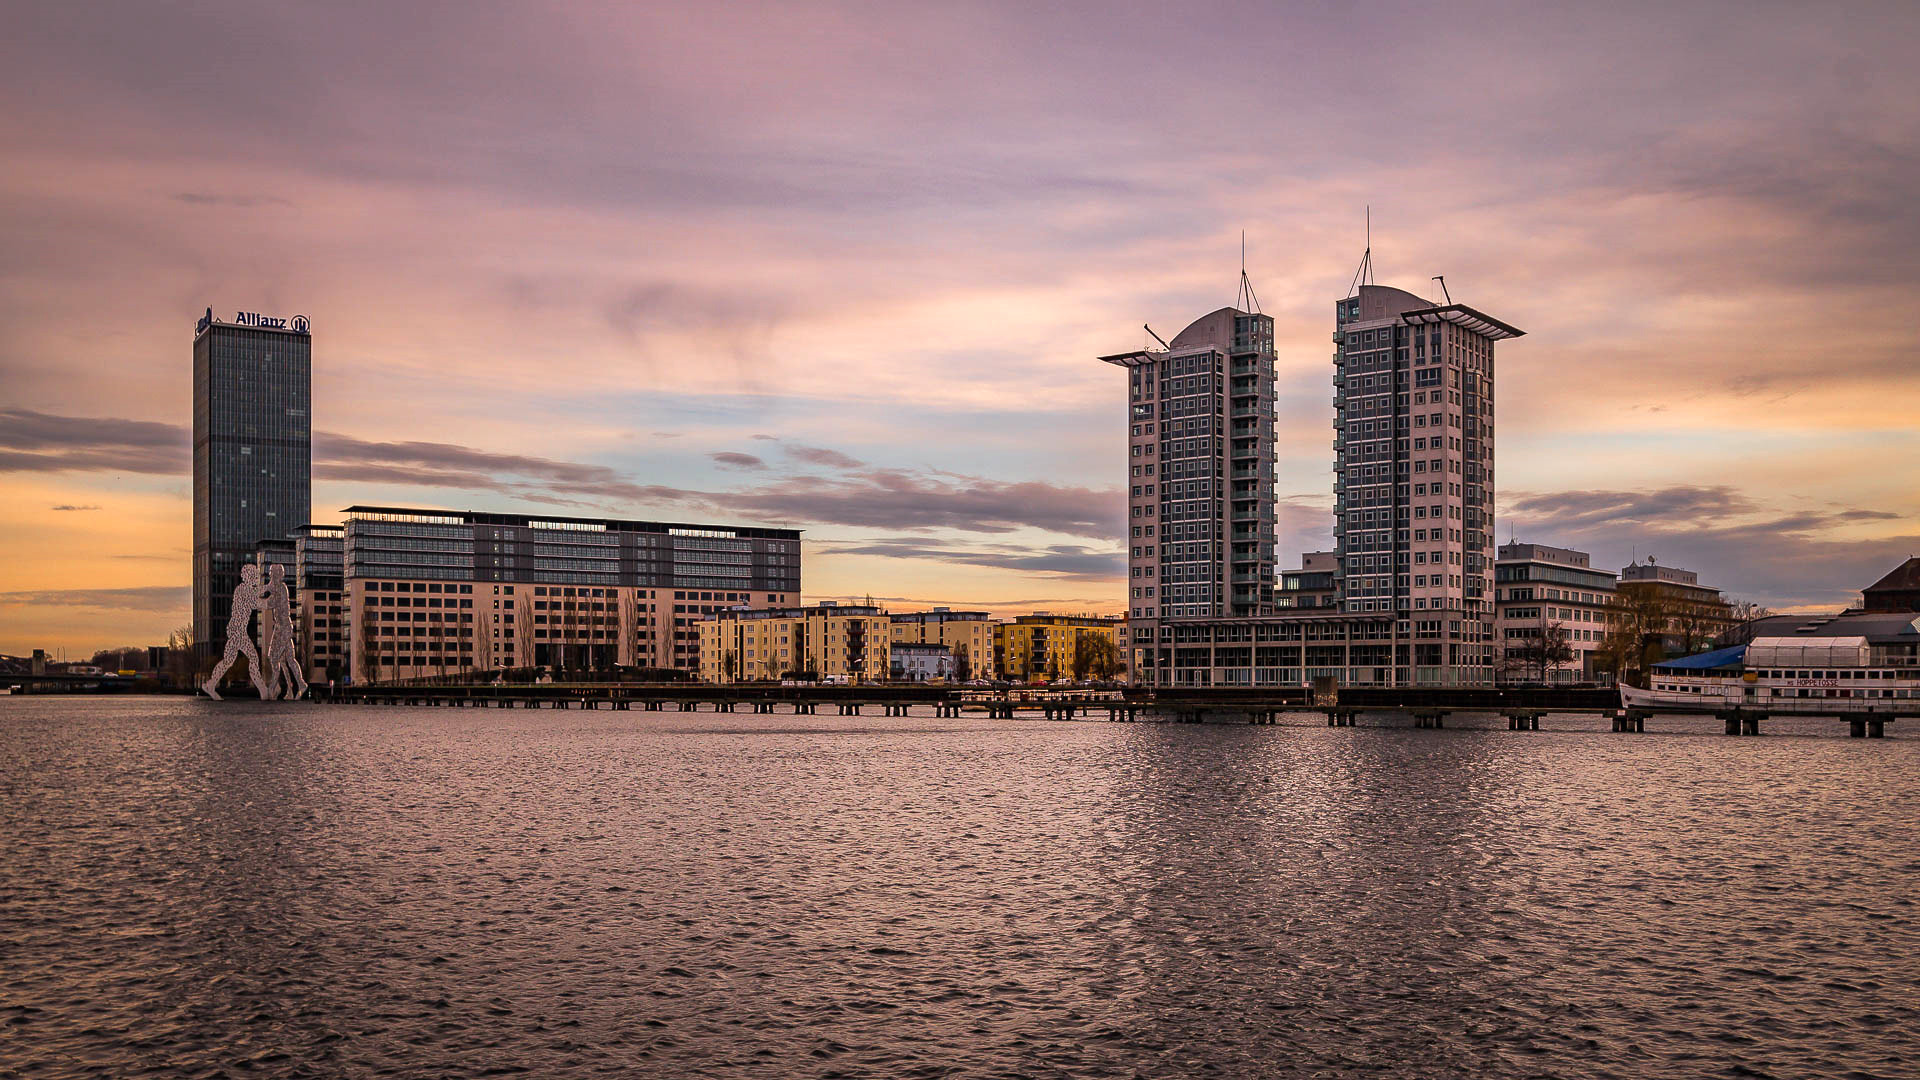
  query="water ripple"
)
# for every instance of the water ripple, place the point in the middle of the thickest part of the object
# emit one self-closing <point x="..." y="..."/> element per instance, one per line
<point x="196" y="890"/>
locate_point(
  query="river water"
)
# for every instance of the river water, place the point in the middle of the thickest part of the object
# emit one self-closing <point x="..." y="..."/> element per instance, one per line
<point x="199" y="889"/>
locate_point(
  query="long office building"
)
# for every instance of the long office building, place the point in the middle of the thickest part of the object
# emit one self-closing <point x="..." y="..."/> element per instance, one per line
<point x="252" y="452"/>
<point x="1542" y="592"/>
<point x="1201" y="497"/>
<point x="434" y="592"/>
<point x="1668" y="605"/>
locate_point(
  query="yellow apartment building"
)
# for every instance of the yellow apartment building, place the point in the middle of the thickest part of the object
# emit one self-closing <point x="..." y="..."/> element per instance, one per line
<point x="825" y="641"/>
<point x="968" y="636"/>
<point x="1047" y="647"/>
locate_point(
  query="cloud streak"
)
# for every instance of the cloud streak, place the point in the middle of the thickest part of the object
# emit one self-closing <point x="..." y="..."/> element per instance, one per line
<point x="171" y="599"/>
<point x="870" y="498"/>
<point x="33" y="441"/>
<point x="1072" y="562"/>
<point x="1810" y="558"/>
<point x="819" y="455"/>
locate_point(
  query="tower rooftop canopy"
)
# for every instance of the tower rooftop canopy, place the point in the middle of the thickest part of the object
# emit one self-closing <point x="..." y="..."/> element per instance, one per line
<point x="1461" y="315"/>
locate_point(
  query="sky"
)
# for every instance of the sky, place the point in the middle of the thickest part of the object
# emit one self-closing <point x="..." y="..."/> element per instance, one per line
<point x="848" y="268"/>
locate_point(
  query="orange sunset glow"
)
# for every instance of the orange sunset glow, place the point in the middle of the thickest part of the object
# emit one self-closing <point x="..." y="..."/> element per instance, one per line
<point x="848" y="269"/>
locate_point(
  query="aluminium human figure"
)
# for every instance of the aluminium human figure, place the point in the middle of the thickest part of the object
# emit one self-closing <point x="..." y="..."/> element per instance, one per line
<point x="246" y="600"/>
<point x="276" y="625"/>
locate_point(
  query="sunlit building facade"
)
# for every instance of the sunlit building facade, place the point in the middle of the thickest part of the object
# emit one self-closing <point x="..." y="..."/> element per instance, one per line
<point x="320" y="601"/>
<point x="433" y="592"/>
<point x="1047" y="648"/>
<point x="1413" y="477"/>
<point x="1201" y="498"/>
<point x="967" y="635"/>
<point x="1406" y="598"/>
<point x="1678" y="612"/>
<point x="1541" y="591"/>
<point x="831" y="642"/>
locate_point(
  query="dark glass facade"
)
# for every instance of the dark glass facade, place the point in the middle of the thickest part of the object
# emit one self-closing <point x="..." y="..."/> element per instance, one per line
<point x="320" y="556"/>
<point x="406" y="543"/>
<point x="252" y="456"/>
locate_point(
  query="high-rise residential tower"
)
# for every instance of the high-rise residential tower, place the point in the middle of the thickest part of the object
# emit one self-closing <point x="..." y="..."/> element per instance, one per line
<point x="252" y="451"/>
<point x="1413" y="477"/>
<point x="1200" y="506"/>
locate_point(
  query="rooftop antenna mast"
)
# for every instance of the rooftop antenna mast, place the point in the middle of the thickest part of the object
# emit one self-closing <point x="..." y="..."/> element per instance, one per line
<point x="1442" y="279"/>
<point x="1154" y="336"/>
<point x="1364" y="275"/>
<point x="1245" y="300"/>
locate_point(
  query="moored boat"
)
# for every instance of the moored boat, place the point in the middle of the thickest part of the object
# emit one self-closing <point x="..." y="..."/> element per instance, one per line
<point x="1856" y="662"/>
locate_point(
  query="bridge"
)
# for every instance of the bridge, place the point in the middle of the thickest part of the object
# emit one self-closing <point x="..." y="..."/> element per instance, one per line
<point x="62" y="683"/>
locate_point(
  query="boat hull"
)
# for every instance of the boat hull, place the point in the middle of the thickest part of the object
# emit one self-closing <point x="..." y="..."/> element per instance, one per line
<point x="1721" y="695"/>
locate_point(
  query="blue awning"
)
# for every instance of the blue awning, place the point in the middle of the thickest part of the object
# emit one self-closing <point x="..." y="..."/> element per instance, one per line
<point x="1718" y="658"/>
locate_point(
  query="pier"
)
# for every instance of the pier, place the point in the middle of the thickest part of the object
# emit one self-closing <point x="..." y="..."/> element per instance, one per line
<point x="1421" y="709"/>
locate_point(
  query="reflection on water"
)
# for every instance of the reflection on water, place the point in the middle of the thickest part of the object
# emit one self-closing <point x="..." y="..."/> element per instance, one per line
<point x="297" y="890"/>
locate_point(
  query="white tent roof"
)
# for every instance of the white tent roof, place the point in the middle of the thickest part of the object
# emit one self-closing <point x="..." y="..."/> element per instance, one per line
<point x="1808" y="652"/>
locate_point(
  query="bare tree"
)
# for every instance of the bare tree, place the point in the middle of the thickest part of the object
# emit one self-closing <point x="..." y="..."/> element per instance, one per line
<point x="1743" y="613"/>
<point x="124" y="658"/>
<point x="437" y="639"/>
<point x="629" y="628"/>
<point x="962" y="664"/>
<point x="303" y="630"/>
<point x="1546" y="651"/>
<point x="368" y="645"/>
<point x="1639" y="619"/>
<point x="466" y="637"/>
<point x="1094" y="656"/>
<point x="1512" y="662"/>
<point x="569" y="651"/>
<point x="182" y="667"/>
<point x="1697" y="622"/>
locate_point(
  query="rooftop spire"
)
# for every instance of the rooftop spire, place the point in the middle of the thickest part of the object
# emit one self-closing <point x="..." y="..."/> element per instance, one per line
<point x="1245" y="300"/>
<point x="1364" y="275"/>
